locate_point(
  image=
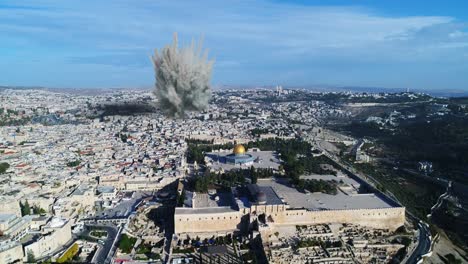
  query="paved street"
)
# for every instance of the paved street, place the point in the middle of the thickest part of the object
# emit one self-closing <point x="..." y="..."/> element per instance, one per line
<point x="124" y="208"/>
<point x="106" y="247"/>
<point x="424" y="244"/>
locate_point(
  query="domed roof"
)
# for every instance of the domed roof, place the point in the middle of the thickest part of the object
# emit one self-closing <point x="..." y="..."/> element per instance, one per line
<point x="239" y="149"/>
<point x="261" y="197"/>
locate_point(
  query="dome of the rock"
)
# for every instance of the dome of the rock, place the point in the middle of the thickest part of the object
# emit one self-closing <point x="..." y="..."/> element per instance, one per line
<point x="239" y="150"/>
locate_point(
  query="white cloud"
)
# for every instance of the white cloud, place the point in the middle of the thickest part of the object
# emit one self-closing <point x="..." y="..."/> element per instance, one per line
<point x="458" y="34"/>
<point x="239" y="33"/>
<point x="140" y="24"/>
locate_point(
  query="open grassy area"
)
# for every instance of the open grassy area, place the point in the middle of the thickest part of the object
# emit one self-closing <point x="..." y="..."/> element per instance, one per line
<point x="145" y="249"/>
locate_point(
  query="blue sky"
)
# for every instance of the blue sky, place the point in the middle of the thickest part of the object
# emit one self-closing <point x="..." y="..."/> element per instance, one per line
<point x="376" y="43"/>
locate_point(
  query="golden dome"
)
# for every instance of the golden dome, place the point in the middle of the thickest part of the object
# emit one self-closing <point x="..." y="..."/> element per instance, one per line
<point x="239" y="149"/>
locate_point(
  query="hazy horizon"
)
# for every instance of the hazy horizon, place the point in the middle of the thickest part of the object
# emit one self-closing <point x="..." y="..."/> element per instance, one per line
<point x="324" y="88"/>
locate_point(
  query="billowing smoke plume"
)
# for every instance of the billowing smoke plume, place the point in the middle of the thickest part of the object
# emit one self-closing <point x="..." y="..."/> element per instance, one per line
<point x="182" y="78"/>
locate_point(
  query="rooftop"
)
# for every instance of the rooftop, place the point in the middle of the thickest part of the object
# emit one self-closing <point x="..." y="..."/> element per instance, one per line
<point x="40" y="218"/>
<point x="270" y="196"/>
<point x="81" y="190"/>
<point x="7" y="217"/>
<point x="322" y="201"/>
<point x="212" y="210"/>
<point x="106" y="189"/>
<point x="56" y="222"/>
<point x="205" y="200"/>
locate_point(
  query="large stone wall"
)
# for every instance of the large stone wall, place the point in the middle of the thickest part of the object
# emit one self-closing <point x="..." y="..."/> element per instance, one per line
<point x="46" y="244"/>
<point x="212" y="222"/>
<point x="266" y="209"/>
<point x="11" y="253"/>
<point x="385" y="218"/>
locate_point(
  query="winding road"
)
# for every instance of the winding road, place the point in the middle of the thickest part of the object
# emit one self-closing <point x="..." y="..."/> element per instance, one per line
<point x="105" y="248"/>
<point x="424" y="244"/>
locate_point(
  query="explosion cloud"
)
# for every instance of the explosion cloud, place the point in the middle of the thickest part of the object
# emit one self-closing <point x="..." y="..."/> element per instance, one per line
<point x="182" y="78"/>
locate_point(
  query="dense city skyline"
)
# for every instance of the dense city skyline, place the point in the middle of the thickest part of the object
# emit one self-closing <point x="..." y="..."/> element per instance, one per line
<point x="273" y="176"/>
<point x="417" y="45"/>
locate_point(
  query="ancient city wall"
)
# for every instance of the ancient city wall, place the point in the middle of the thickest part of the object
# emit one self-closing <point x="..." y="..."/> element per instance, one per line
<point x="265" y="209"/>
<point x="384" y="218"/>
<point x="208" y="222"/>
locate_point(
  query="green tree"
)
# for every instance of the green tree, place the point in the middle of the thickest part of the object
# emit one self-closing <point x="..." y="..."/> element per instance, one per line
<point x="4" y="167"/>
<point x="126" y="243"/>
<point x="73" y="163"/>
<point x="181" y="198"/>
<point x="25" y="208"/>
<point x="30" y="257"/>
<point x="280" y="168"/>
<point x="38" y="210"/>
<point x="253" y="174"/>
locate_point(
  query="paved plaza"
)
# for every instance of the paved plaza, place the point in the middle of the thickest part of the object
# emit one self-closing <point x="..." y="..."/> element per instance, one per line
<point x="322" y="201"/>
<point x="262" y="159"/>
